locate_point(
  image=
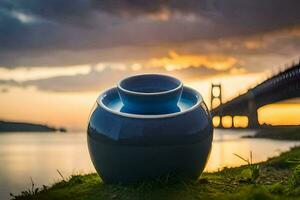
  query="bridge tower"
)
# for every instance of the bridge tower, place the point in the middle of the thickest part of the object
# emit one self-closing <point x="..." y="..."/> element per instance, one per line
<point x="216" y="95"/>
<point x="252" y="112"/>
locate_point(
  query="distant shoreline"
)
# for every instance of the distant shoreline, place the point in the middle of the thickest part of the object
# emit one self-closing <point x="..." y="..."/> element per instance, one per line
<point x="9" y="126"/>
<point x="278" y="133"/>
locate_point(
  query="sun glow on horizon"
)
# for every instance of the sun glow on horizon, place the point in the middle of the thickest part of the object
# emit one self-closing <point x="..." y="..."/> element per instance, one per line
<point x="70" y="110"/>
<point x="280" y="114"/>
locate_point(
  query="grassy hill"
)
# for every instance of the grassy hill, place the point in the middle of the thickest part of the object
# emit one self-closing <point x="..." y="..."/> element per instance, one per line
<point x="277" y="178"/>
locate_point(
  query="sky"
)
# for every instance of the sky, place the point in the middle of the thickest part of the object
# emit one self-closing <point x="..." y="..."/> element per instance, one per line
<point x="57" y="56"/>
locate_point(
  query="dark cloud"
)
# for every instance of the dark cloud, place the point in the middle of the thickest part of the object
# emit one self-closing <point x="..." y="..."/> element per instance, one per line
<point x="94" y="81"/>
<point x="34" y="32"/>
<point x="254" y="14"/>
<point x="4" y="90"/>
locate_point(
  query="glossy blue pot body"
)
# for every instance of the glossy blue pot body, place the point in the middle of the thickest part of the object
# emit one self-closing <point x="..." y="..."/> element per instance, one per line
<point x="127" y="148"/>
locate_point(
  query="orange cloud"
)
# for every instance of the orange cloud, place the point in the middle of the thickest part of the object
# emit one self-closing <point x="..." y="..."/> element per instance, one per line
<point x="252" y="44"/>
<point x="175" y="61"/>
<point x="163" y="15"/>
<point x="237" y="70"/>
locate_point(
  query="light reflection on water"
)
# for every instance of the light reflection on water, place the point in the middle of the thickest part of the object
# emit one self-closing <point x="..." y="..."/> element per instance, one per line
<point x="39" y="155"/>
<point x="228" y="142"/>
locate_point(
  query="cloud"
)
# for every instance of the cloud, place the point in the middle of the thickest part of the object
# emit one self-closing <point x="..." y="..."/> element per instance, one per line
<point x="197" y="72"/>
<point x="94" y="81"/>
<point x="89" y="77"/>
<point x="102" y="77"/>
<point x="33" y="73"/>
<point x="55" y="32"/>
<point x="4" y="90"/>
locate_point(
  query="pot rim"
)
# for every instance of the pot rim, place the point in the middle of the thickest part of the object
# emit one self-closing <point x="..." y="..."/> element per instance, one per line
<point x="149" y="93"/>
<point x="140" y="116"/>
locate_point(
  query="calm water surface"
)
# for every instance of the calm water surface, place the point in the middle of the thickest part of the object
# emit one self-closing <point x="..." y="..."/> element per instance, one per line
<point x="39" y="155"/>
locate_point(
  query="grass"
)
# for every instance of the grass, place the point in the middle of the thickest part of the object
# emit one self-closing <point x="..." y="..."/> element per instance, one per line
<point x="251" y="173"/>
<point x="278" y="178"/>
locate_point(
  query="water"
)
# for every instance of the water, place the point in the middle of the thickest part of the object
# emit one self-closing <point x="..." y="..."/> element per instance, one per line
<point x="39" y="155"/>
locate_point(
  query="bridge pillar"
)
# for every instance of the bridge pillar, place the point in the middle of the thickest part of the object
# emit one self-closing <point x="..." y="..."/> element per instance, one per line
<point x="232" y="122"/>
<point x="221" y="122"/>
<point x="252" y="112"/>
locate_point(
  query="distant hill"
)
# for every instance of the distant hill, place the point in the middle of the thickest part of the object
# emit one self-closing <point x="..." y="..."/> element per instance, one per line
<point x="6" y="126"/>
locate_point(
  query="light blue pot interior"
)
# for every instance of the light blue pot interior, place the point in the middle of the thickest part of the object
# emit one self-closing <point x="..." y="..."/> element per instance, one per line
<point x="150" y="83"/>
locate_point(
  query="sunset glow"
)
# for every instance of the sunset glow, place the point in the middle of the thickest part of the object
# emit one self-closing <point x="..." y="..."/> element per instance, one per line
<point x="175" y="61"/>
<point x="280" y="114"/>
<point x="95" y="95"/>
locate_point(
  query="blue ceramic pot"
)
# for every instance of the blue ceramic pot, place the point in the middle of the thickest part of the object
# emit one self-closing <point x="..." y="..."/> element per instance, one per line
<point x="126" y="146"/>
